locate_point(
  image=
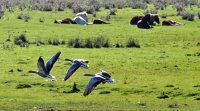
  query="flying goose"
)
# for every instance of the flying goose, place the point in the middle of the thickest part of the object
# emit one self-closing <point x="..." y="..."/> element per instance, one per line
<point x="75" y="65"/>
<point x="44" y="70"/>
<point x="96" y="79"/>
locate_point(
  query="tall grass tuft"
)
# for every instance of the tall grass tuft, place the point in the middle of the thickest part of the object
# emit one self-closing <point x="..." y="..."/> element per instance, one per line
<point x="24" y="17"/>
<point x="153" y="11"/>
<point x="164" y="16"/>
<point x="113" y="11"/>
<point x="39" y="42"/>
<point x="198" y="15"/>
<point x="118" y="45"/>
<point x="96" y="42"/>
<point x="132" y="43"/>
<point x="160" y="4"/>
<point x="8" y="46"/>
<point x="78" y="43"/>
<point x="188" y="16"/>
<point x="55" y="41"/>
<point x="101" y="41"/>
<point x="2" y="11"/>
<point x="21" y="40"/>
<point x="89" y="43"/>
<point x="41" y="19"/>
<point x="75" y="43"/>
<point x="138" y="5"/>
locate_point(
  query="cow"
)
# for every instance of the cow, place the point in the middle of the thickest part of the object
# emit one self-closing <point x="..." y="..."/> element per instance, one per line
<point x="153" y="18"/>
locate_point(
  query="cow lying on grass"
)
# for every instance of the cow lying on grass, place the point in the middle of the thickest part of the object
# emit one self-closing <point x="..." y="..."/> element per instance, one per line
<point x="153" y="18"/>
<point x="71" y="21"/>
<point x="170" y="23"/>
<point x="144" y="23"/>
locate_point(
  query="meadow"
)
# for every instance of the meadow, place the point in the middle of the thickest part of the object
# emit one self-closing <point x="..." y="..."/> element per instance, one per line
<point x="166" y="62"/>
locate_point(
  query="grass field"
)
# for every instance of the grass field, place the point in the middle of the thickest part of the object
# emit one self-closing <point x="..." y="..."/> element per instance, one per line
<point x="168" y="61"/>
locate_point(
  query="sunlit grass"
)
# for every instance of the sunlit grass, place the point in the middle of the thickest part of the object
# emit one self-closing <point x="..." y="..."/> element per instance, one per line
<point x="166" y="62"/>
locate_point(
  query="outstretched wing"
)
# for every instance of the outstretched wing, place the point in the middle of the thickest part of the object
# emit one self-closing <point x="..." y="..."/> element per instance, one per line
<point x="51" y="62"/>
<point x="40" y="64"/>
<point x="94" y="81"/>
<point x="84" y="65"/>
<point x="71" y="70"/>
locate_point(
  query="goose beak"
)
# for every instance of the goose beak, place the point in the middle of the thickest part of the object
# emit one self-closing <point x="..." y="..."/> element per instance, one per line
<point x="68" y="59"/>
<point x="111" y="81"/>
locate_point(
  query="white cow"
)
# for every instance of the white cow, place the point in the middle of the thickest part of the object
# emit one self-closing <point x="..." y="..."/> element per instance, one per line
<point x="81" y="18"/>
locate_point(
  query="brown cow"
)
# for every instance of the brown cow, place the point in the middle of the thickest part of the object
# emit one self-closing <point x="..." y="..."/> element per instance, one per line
<point x="153" y="18"/>
<point x="98" y="21"/>
<point x="65" y="21"/>
<point x="171" y="23"/>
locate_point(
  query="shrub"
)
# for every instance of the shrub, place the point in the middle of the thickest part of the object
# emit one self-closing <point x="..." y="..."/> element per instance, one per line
<point x="163" y="96"/>
<point x="1" y="14"/>
<point x="94" y="14"/>
<point x="89" y="43"/>
<point x="46" y="7"/>
<point x="108" y="4"/>
<point x="79" y="6"/>
<point x="188" y="16"/>
<point x="8" y="45"/>
<point x="42" y="19"/>
<point x="78" y="43"/>
<point x="54" y="41"/>
<point x="108" y="17"/>
<point x="164" y="16"/>
<point x="61" y="7"/>
<point x="138" y="5"/>
<point x="90" y="10"/>
<point x="121" y="4"/>
<point x="179" y="6"/>
<point x="2" y="10"/>
<point x="39" y="42"/>
<point x="153" y="11"/>
<point x="21" y="40"/>
<point x="198" y="5"/>
<point x="96" y="42"/>
<point x="24" y="17"/>
<point x="106" y="43"/>
<point x="96" y="4"/>
<point x="21" y="7"/>
<point x="198" y="15"/>
<point x="118" y="45"/>
<point x="101" y="41"/>
<point x="132" y="43"/>
<point x="49" y="41"/>
<point x="21" y="86"/>
<point x="192" y="94"/>
<point x="62" y="42"/>
<point x="20" y="16"/>
<point x="113" y="11"/>
<point x="160" y="4"/>
<point x="75" y="43"/>
<point x="174" y="105"/>
<point x="198" y="43"/>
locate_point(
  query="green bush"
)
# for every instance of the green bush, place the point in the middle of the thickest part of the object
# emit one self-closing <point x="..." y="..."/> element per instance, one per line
<point x="21" y="40"/>
<point x="188" y="16"/>
<point x="132" y="43"/>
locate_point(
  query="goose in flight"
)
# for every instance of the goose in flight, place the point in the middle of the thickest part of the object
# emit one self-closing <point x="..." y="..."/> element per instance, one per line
<point x="96" y="79"/>
<point x="75" y="65"/>
<point x="44" y="70"/>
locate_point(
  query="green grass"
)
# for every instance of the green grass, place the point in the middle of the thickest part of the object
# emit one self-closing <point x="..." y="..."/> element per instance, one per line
<point x="166" y="58"/>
